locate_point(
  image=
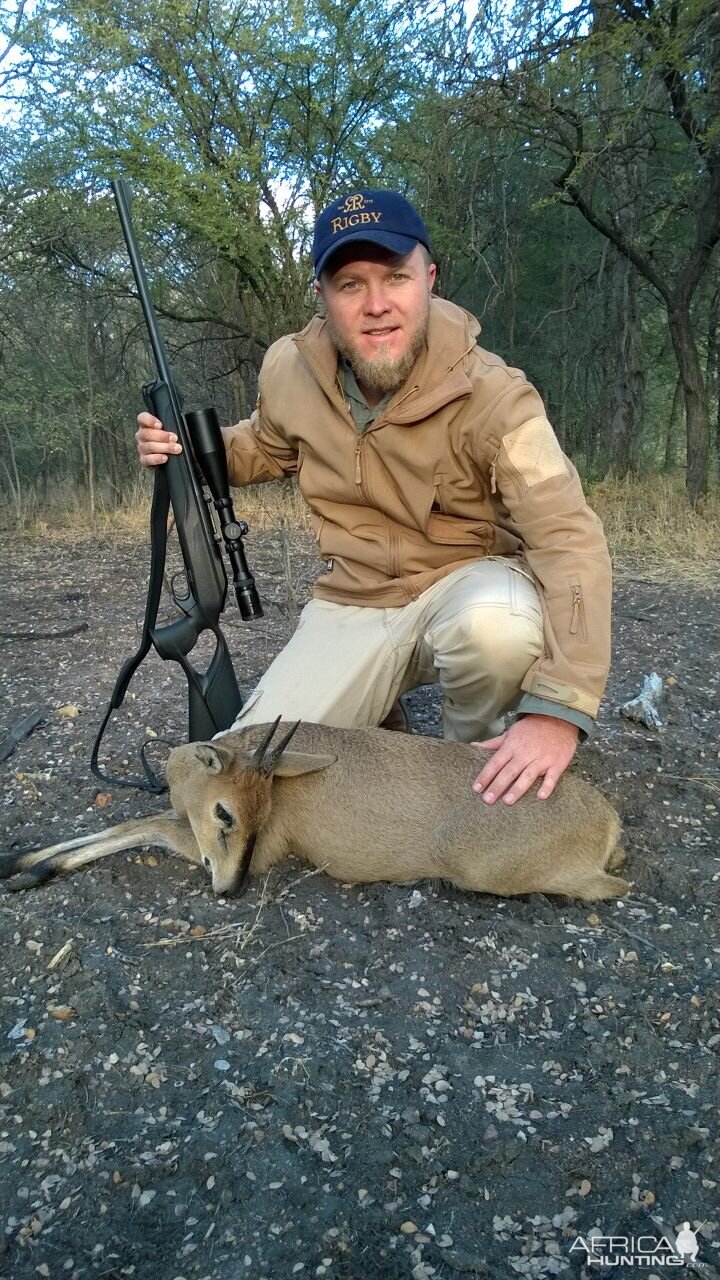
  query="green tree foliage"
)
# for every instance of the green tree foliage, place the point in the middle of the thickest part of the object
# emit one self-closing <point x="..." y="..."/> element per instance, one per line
<point x="622" y="102"/>
<point x="565" y="159"/>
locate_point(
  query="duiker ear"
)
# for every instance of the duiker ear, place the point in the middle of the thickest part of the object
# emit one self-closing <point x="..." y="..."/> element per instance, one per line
<point x="211" y="758"/>
<point x="293" y="763"/>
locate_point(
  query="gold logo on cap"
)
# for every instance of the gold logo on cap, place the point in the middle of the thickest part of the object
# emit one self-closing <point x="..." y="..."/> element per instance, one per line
<point x="356" y="214"/>
<point x="353" y="204"/>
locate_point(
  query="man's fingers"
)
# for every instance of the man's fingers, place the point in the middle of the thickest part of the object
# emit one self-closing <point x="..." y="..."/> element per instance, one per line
<point x="500" y="783"/>
<point x="490" y="744"/>
<point x="492" y="768"/>
<point x="552" y="777"/>
<point x="158" y="442"/>
<point x="522" y="783"/>
<point x="155" y="446"/>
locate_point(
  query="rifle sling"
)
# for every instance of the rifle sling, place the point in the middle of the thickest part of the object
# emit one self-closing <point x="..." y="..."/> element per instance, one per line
<point x="158" y="547"/>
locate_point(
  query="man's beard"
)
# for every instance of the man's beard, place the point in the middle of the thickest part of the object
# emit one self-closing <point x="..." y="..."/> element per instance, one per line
<point x="384" y="373"/>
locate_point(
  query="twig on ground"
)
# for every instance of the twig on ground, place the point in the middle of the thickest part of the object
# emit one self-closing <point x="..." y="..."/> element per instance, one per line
<point x="636" y="937"/>
<point x="44" y="635"/>
<point x="704" y="782"/>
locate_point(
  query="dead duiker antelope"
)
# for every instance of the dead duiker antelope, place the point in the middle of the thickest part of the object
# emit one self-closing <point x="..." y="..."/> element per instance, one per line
<point x="364" y="805"/>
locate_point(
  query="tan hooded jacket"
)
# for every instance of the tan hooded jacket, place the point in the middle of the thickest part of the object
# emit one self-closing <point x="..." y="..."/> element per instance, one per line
<point x="461" y="464"/>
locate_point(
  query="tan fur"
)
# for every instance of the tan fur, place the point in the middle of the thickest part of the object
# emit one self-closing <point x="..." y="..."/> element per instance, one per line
<point x="365" y="805"/>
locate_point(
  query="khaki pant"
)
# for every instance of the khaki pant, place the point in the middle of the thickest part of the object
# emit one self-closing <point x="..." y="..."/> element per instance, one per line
<point x="475" y="632"/>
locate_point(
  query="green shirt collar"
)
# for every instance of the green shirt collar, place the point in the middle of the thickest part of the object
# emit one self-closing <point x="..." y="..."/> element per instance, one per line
<point x="363" y="414"/>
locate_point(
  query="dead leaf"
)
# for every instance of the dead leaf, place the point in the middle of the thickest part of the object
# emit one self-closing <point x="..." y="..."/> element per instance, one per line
<point x="102" y="799"/>
<point x="68" y="711"/>
<point x="62" y="1012"/>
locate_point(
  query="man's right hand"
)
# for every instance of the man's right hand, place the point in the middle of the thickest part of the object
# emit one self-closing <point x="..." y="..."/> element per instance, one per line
<point x="154" y="445"/>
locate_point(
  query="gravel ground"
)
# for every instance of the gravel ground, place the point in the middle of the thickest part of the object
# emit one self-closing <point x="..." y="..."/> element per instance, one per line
<point x="319" y="1080"/>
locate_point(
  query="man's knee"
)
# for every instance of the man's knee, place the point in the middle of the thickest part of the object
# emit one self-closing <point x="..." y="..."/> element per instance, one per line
<point x="488" y="641"/>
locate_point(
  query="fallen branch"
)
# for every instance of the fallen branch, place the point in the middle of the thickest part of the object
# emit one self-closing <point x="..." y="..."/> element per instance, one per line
<point x="44" y="635"/>
<point x="644" y="708"/>
<point x="21" y="730"/>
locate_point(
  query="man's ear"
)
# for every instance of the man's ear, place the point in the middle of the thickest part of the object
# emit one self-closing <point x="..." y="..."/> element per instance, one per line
<point x="432" y="273"/>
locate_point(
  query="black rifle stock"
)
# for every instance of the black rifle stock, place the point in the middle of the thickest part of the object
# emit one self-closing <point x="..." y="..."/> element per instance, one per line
<point x="195" y="484"/>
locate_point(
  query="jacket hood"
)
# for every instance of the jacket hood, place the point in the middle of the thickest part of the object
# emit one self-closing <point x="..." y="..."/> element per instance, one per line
<point x="438" y="376"/>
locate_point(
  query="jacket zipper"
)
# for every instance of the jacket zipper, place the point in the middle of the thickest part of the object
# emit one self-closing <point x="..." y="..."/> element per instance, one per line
<point x="493" y="477"/>
<point x="577" y="617"/>
<point x="360" y="480"/>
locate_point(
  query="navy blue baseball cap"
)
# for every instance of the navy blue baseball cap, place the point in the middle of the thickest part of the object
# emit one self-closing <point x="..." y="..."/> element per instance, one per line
<point x="381" y="217"/>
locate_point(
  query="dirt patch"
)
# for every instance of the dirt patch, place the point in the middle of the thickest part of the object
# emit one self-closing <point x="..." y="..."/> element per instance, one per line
<point x="319" y="1080"/>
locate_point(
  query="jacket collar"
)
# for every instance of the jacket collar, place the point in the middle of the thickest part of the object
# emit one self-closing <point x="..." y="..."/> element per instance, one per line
<point x="438" y="376"/>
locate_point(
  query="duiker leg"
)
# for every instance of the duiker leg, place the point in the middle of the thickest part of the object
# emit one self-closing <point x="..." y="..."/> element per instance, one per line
<point x="166" y="831"/>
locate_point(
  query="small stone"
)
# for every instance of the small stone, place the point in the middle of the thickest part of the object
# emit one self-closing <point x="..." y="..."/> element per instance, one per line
<point x="408" y="1228"/>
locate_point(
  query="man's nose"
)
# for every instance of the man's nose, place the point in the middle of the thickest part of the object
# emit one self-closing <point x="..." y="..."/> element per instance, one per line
<point x="377" y="301"/>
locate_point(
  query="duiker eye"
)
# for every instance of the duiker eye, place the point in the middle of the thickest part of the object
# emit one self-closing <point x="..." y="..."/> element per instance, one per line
<point x="222" y="814"/>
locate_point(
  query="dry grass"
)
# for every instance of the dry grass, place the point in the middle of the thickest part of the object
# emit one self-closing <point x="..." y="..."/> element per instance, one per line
<point x="268" y="506"/>
<point x="649" y="523"/>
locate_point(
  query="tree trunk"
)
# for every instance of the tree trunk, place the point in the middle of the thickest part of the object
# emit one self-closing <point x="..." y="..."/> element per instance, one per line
<point x="672" y="432"/>
<point x="712" y="381"/>
<point x="627" y="388"/>
<point x="696" y="406"/>
<point x="624" y="370"/>
<point x="13" y="477"/>
<point x="718" y="437"/>
<point x="90" y="448"/>
<point x="560" y="412"/>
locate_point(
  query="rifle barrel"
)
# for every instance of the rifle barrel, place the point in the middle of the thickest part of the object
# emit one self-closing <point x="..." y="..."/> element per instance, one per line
<point x="120" y="191"/>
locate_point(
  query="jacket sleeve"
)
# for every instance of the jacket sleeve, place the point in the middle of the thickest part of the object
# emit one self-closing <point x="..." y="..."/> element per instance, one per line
<point x="257" y="449"/>
<point x="541" y="500"/>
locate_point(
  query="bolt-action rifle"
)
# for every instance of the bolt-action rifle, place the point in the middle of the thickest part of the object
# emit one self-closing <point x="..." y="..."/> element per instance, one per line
<point x="195" y="484"/>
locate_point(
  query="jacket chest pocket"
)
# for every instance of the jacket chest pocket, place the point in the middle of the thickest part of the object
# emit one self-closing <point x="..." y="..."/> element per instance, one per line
<point x="439" y="500"/>
<point x="458" y="497"/>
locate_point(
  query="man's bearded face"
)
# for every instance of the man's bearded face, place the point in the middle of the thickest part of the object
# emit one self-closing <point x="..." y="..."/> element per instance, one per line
<point x="377" y="307"/>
